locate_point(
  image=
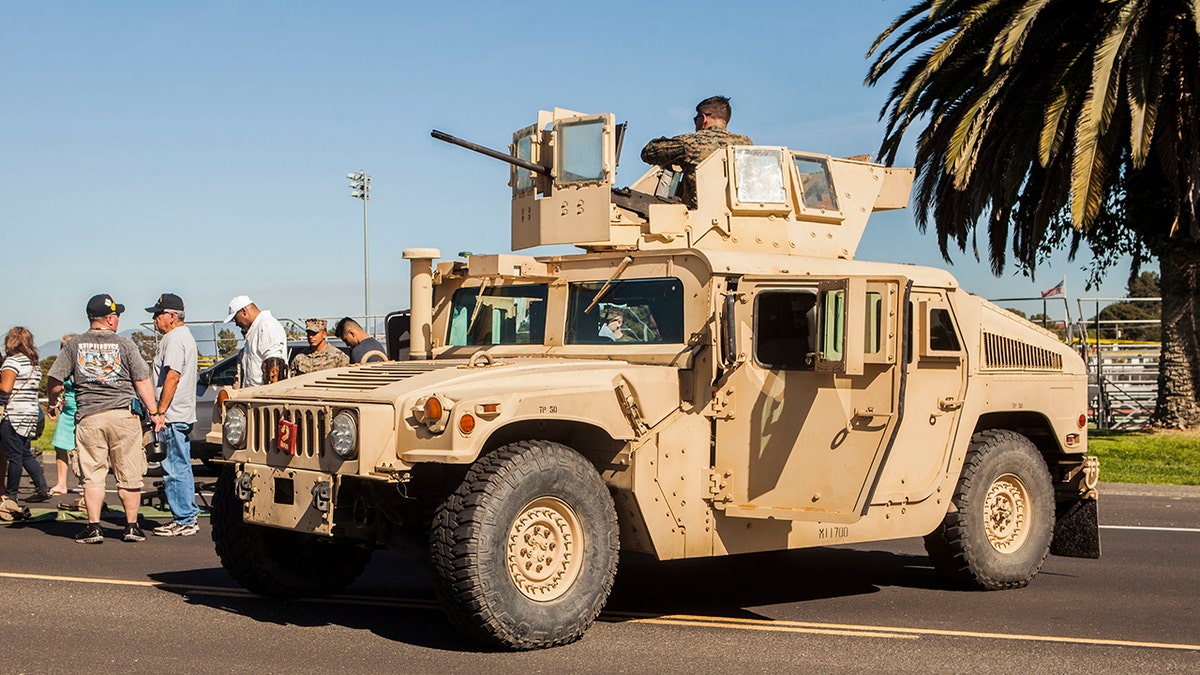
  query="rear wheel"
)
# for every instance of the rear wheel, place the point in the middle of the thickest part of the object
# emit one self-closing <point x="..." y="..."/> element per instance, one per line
<point x="279" y="563"/>
<point x="999" y="533"/>
<point x="525" y="550"/>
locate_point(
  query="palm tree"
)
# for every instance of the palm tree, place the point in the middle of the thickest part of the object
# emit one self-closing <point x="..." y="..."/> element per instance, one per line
<point x="1056" y="123"/>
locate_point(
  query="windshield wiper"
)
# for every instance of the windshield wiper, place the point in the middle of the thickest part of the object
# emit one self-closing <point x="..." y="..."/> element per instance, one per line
<point x="608" y="284"/>
<point x="478" y="303"/>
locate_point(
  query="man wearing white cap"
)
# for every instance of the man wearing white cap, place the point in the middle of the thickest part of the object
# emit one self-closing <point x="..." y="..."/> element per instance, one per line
<point x="265" y="337"/>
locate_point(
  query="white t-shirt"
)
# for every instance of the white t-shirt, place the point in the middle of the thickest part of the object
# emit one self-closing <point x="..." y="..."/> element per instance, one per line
<point x="22" y="403"/>
<point x="266" y="338"/>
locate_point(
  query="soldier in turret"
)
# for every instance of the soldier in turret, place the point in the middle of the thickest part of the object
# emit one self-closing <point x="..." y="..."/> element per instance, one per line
<point x="688" y="150"/>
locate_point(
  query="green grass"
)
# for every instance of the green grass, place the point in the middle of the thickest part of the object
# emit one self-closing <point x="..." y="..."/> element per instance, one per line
<point x="1170" y="457"/>
<point x="45" y="442"/>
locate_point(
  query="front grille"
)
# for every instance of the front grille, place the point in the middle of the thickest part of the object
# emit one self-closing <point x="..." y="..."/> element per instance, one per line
<point x="312" y="424"/>
<point x="1003" y="353"/>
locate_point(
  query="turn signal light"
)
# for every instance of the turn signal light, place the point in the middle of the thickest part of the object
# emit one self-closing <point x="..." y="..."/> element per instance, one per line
<point x="466" y="423"/>
<point x="433" y="409"/>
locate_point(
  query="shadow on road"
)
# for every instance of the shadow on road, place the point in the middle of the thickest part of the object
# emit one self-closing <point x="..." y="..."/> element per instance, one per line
<point x="393" y="599"/>
<point x="728" y="586"/>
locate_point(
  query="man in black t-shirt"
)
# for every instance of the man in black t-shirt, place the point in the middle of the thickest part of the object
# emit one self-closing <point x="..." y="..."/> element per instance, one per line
<point x="363" y="347"/>
<point x="107" y="371"/>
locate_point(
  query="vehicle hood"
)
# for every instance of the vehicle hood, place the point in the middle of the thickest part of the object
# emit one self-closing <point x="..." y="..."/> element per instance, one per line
<point x="396" y="381"/>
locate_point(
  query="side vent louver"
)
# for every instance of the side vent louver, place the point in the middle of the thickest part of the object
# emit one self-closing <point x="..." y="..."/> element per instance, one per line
<point x="1002" y="353"/>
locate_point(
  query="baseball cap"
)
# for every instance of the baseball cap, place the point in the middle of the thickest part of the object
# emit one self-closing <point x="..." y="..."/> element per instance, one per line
<point x="166" y="301"/>
<point x="237" y="304"/>
<point x="102" y="305"/>
<point x="316" y="324"/>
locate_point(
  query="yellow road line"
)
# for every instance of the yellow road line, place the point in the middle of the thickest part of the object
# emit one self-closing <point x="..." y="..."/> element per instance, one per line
<point x="733" y="623"/>
<point x="859" y="629"/>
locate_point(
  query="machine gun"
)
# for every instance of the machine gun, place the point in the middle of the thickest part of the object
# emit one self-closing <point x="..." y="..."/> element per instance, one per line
<point x="496" y="154"/>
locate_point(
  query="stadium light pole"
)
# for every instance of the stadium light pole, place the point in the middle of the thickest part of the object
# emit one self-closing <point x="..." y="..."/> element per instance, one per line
<point x="360" y="188"/>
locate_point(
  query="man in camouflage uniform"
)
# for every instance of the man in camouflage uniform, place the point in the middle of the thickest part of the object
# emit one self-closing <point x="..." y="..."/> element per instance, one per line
<point x="323" y="355"/>
<point x="688" y="150"/>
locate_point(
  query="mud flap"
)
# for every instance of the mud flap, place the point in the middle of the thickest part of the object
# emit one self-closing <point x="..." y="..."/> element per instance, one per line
<point x="1077" y="529"/>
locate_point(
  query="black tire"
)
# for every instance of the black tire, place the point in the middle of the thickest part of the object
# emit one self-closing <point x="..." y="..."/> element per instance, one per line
<point x="544" y="507"/>
<point x="998" y="534"/>
<point x="279" y="563"/>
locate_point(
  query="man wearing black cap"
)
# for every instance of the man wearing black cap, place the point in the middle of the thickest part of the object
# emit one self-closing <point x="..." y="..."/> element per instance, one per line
<point x="107" y="371"/>
<point x="173" y="373"/>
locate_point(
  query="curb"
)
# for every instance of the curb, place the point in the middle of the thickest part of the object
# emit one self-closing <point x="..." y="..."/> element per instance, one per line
<point x="1149" y="490"/>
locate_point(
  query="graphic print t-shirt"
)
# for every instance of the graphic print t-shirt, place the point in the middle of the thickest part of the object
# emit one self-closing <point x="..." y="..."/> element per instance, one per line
<point x="103" y="366"/>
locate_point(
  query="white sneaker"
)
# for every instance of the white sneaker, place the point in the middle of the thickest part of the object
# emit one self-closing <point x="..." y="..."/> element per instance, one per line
<point x="176" y="530"/>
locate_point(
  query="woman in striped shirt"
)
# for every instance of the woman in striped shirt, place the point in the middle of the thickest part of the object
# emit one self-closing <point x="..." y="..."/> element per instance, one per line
<point x="19" y="379"/>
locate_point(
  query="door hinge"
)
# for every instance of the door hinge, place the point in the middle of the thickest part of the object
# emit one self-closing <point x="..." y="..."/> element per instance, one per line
<point x="629" y="406"/>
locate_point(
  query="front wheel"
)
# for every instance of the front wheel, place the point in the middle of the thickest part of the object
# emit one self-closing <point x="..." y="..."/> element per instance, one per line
<point x="279" y="563"/>
<point x="525" y="550"/>
<point x="998" y="534"/>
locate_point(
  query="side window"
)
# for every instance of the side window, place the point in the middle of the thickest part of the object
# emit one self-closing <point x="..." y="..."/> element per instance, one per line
<point x="856" y="324"/>
<point x="942" y="337"/>
<point x="873" y="337"/>
<point x="503" y="315"/>
<point x="785" y="329"/>
<point x="759" y="177"/>
<point x="225" y="374"/>
<point x="816" y="183"/>
<point x="833" y="324"/>
<point x="637" y="311"/>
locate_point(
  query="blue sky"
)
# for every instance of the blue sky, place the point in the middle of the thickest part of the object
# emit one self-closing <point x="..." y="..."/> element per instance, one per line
<point x="202" y="148"/>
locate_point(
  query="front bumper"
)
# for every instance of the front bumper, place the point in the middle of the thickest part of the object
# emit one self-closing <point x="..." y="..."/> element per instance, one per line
<point x="292" y="499"/>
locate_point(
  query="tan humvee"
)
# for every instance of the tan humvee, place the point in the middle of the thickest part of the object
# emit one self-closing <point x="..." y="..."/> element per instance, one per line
<point x="698" y="382"/>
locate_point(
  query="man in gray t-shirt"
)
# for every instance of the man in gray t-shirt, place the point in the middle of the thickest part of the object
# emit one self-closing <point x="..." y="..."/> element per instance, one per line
<point x="174" y="377"/>
<point x="107" y="371"/>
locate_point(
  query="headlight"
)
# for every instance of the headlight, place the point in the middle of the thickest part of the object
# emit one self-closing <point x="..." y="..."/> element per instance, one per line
<point x="343" y="435"/>
<point x="234" y="428"/>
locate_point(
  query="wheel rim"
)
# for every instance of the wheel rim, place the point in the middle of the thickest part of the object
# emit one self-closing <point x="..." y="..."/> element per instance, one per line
<point x="1006" y="513"/>
<point x="544" y="547"/>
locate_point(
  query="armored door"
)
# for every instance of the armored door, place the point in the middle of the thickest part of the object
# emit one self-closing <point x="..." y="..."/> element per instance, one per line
<point x="810" y="404"/>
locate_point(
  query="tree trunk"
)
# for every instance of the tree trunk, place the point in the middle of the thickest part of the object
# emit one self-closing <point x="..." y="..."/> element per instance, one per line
<point x="1178" y="404"/>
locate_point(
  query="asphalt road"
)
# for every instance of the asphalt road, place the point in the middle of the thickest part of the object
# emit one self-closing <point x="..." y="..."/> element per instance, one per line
<point x="166" y="605"/>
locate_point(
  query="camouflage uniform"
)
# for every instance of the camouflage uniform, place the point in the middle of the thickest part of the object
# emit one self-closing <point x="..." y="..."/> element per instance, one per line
<point x="687" y="151"/>
<point x="330" y="357"/>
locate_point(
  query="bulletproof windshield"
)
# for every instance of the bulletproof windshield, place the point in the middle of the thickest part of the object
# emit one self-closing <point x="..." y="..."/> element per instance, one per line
<point x="581" y="157"/>
<point x="816" y="182"/>
<point x="637" y="311"/>
<point x="506" y="315"/>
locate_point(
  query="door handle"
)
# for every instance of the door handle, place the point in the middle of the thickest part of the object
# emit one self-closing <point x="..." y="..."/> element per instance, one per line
<point x="868" y="413"/>
<point x="950" y="403"/>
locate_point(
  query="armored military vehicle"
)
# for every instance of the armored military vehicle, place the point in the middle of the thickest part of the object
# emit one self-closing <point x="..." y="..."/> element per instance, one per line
<point x="696" y="382"/>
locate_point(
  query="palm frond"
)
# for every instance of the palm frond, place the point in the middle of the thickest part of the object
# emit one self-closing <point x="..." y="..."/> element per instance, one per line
<point x="1094" y="118"/>
<point x="1009" y="44"/>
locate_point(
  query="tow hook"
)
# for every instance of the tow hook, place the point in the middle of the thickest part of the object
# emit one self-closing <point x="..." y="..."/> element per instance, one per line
<point x="245" y="486"/>
<point x="321" y="493"/>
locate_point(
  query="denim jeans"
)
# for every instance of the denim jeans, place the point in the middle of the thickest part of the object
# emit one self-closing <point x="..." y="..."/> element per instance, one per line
<point x="20" y="456"/>
<point x="177" y="473"/>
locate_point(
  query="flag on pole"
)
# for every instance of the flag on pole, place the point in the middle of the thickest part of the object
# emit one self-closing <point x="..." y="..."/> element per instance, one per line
<point x="1060" y="289"/>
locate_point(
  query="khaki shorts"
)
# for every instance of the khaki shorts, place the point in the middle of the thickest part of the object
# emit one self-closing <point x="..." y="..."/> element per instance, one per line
<point x="112" y="436"/>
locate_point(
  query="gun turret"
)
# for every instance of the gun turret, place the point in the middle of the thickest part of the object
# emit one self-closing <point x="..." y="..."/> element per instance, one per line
<point x="750" y="198"/>
<point x="496" y="154"/>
